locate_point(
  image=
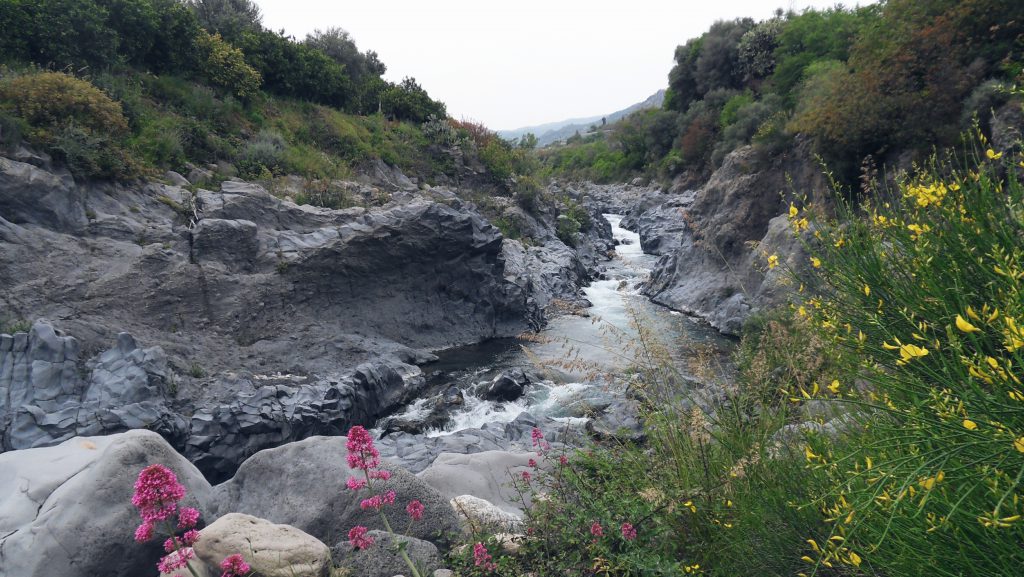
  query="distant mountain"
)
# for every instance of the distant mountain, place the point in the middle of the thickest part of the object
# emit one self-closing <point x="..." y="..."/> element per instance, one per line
<point x="554" y="131"/>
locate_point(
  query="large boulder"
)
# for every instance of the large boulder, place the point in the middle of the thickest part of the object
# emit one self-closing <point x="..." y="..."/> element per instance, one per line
<point x="303" y="484"/>
<point x="271" y="550"/>
<point x="67" y="511"/>
<point x="485" y="475"/>
<point x="479" y="515"/>
<point x="381" y="559"/>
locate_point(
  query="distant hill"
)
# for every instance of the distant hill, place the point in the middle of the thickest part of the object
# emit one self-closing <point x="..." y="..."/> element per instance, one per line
<point x="554" y="131"/>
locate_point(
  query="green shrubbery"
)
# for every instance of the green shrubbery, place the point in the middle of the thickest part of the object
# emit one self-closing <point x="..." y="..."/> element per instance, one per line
<point x="881" y="80"/>
<point x="69" y="118"/>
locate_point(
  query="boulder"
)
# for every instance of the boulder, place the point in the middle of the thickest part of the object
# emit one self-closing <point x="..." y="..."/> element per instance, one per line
<point x="271" y="550"/>
<point x="483" y="475"/>
<point x="479" y="515"/>
<point x="620" y="422"/>
<point x="506" y="387"/>
<point x="66" y="510"/>
<point x="303" y="484"/>
<point x="381" y="559"/>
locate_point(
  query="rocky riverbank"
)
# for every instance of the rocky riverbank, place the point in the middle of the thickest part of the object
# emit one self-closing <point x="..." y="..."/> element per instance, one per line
<point x="234" y="320"/>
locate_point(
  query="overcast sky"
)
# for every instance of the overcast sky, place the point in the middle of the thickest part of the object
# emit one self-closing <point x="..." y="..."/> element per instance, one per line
<point x="519" y="63"/>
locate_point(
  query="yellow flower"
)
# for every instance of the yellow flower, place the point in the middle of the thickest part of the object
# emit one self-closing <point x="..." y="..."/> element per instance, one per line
<point x="867" y="291"/>
<point x="834" y="387"/>
<point x="970" y="425"/>
<point x="1019" y="444"/>
<point x="793" y="211"/>
<point x="855" y="559"/>
<point x="773" y="261"/>
<point x="815" y="262"/>
<point x="810" y="454"/>
<point x="963" y="325"/>
<point x="911" y="352"/>
<point x="993" y="155"/>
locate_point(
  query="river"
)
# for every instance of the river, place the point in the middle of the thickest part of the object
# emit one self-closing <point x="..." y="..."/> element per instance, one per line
<point x="581" y="356"/>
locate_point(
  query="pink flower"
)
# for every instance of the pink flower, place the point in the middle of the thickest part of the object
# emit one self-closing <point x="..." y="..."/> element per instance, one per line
<point x="482" y="559"/>
<point x="382" y="474"/>
<point x="144" y="532"/>
<point x="374" y="502"/>
<point x="538" y="440"/>
<point x="563" y="460"/>
<point x="389" y="498"/>
<point x="415" y="510"/>
<point x="358" y="538"/>
<point x="532" y="463"/>
<point x="356" y="484"/>
<point x="526" y="476"/>
<point x="176" y="560"/>
<point x="190" y="537"/>
<point x="234" y="566"/>
<point x="187" y="518"/>
<point x="628" y="531"/>
<point x="596" y="530"/>
<point x="157" y="492"/>
<point x="361" y="452"/>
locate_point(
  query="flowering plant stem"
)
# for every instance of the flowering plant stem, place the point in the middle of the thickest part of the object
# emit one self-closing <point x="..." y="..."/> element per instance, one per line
<point x="387" y="525"/>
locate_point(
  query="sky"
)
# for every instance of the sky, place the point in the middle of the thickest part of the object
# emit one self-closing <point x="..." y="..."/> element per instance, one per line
<point x="511" y="64"/>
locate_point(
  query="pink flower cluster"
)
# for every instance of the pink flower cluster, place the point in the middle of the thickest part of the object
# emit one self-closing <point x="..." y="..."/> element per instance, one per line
<point x="234" y="566"/>
<point x="358" y="538"/>
<point x="157" y="492"/>
<point x="482" y="559"/>
<point x="538" y="441"/>
<point x="176" y="560"/>
<point x="415" y="510"/>
<point x="378" y="501"/>
<point x="361" y="452"/>
<point x="596" y="530"/>
<point x="628" y="531"/>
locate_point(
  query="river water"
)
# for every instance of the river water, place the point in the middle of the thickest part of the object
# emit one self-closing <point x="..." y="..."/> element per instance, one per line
<point x="582" y="357"/>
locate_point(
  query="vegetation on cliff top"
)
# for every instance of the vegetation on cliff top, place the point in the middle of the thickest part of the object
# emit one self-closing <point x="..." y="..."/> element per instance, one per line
<point x="868" y="83"/>
<point x="115" y="89"/>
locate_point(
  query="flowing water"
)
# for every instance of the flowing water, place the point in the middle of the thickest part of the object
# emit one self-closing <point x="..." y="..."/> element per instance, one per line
<point x="577" y="352"/>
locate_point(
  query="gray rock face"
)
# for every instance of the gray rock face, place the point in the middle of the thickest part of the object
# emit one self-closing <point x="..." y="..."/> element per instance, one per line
<point x="303" y="484"/>
<point x="31" y="195"/>
<point x="709" y="266"/>
<point x="232" y="242"/>
<point x="382" y="559"/>
<point x="66" y="510"/>
<point x="44" y="399"/>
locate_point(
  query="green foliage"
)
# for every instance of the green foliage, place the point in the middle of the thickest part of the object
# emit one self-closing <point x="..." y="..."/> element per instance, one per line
<point x="71" y="119"/>
<point x="757" y="49"/>
<point x="229" y="18"/>
<point x="409" y="101"/>
<point x="225" y="66"/>
<point x="924" y="291"/>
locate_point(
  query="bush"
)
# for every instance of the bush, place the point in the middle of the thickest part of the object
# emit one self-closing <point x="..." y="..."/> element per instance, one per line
<point x="72" y="120"/>
<point x="225" y="66"/>
<point x="51" y="99"/>
<point x="924" y="290"/>
<point x="263" y="156"/>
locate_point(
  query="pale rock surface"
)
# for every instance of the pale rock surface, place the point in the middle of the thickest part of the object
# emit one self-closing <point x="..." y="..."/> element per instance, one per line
<point x="271" y="550"/>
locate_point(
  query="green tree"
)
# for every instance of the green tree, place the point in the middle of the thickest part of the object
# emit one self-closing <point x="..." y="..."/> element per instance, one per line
<point x="409" y="101"/>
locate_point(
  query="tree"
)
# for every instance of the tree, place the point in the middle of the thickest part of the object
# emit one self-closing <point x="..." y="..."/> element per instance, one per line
<point x="229" y="18"/>
<point x="338" y="45"/>
<point x="409" y="101"/>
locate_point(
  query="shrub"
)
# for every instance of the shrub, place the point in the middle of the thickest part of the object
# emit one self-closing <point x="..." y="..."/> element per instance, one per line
<point x="72" y="120"/>
<point x="225" y="66"/>
<point x="263" y="156"/>
<point x="47" y="100"/>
